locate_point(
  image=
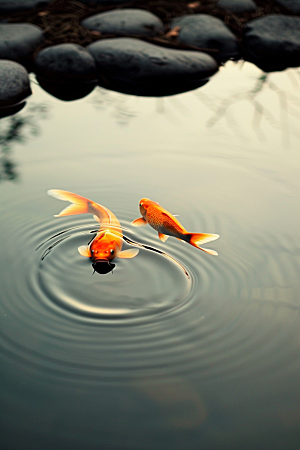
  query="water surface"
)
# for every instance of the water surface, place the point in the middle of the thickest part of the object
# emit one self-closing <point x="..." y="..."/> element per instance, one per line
<point x="147" y="357"/>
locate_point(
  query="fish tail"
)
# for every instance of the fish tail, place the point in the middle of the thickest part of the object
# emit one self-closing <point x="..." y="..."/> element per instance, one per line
<point x="197" y="239"/>
<point x="79" y="205"/>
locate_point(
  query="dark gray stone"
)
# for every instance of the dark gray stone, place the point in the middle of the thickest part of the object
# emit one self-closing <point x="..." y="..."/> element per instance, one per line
<point x="67" y="90"/>
<point x="65" y="62"/>
<point x="292" y="5"/>
<point x="202" y="30"/>
<point x="273" y="42"/>
<point x="132" y="66"/>
<point x="12" y="6"/>
<point x="14" y="83"/>
<point x="103" y="2"/>
<point x="238" y="6"/>
<point x="125" y="22"/>
<point x="18" y="41"/>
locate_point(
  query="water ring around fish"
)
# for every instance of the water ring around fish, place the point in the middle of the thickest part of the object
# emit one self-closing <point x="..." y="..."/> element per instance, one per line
<point x="70" y="283"/>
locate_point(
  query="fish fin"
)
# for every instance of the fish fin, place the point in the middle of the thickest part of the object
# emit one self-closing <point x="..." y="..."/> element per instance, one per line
<point x="196" y="239"/>
<point x="209" y="251"/>
<point x="96" y="218"/>
<point x="140" y="222"/>
<point x="163" y="237"/>
<point x="80" y="205"/>
<point x="84" y="250"/>
<point x="128" y="254"/>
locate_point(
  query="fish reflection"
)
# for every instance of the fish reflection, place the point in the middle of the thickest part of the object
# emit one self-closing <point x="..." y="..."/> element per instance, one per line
<point x="167" y="225"/>
<point x="107" y="244"/>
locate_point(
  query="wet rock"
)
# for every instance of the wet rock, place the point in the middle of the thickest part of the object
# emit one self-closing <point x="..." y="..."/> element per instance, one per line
<point x="103" y="2"/>
<point x="12" y="6"/>
<point x="238" y="6"/>
<point x="292" y="5"/>
<point x="65" y="62"/>
<point x="273" y="42"/>
<point x="14" y="83"/>
<point x="67" y="90"/>
<point x="18" y="41"/>
<point x="204" y="31"/>
<point x="6" y="111"/>
<point x="125" y="22"/>
<point x="135" y="67"/>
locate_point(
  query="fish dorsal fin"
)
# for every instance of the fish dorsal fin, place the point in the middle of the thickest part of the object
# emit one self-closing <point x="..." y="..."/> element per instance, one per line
<point x="84" y="250"/>
<point x="163" y="237"/>
<point x="140" y="222"/>
<point x="128" y="254"/>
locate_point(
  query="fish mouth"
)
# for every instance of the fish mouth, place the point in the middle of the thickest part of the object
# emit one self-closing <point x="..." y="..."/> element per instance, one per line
<point x="100" y="261"/>
<point x="102" y="266"/>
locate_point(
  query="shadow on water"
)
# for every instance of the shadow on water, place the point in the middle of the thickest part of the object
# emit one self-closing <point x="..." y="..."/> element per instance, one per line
<point x="16" y="130"/>
<point x="223" y="108"/>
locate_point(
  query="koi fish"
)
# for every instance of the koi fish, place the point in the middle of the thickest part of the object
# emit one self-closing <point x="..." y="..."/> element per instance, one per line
<point x="107" y="244"/>
<point x="167" y="225"/>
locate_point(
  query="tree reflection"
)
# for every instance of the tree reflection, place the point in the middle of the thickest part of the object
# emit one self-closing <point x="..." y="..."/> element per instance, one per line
<point x="278" y="116"/>
<point x="17" y="129"/>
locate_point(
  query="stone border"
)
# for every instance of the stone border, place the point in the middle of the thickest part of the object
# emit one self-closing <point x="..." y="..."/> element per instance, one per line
<point x="63" y="74"/>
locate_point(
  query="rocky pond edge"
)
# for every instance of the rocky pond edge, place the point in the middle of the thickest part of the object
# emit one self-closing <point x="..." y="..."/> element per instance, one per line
<point x="135" y="55"/>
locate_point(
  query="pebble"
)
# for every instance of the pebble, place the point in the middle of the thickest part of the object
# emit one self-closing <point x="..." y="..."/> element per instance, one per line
<point x="67" y="90"/>
<point x="292" y="5"/>
<point x="13" y="6"/>
<point x="125" y="22"/>
<point x="204" y="31"/>
<point x="132" y="66"/>
<point x="103" y="2"/>
<point x="238" y="6"/>
<point x="18" y="41"/>
<point x="14" y="83"/>
<point x="273" y="42"/>
<point x="65" y="62"/>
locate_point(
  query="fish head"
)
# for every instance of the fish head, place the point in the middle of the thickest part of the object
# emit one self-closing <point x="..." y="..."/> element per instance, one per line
<point x="144" y="205"/>
<point x="104" y="248"/>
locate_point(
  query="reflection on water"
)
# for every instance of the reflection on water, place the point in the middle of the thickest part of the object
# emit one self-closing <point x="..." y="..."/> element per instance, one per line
<point x="145" y="357"/>
<point x="265" y="84"/>
<point x="18" y="129"/>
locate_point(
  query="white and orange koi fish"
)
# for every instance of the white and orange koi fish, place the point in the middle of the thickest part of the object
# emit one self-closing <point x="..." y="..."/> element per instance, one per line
<point x="107" y="244"/>
<point x="167" y="225"/>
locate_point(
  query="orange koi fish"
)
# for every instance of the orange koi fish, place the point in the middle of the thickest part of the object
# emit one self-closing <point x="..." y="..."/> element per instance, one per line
<point x="108" y="242"/>
<point x="167" y="225"/>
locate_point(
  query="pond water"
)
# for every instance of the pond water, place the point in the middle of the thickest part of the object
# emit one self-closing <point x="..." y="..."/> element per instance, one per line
<point x="148" y="356"/>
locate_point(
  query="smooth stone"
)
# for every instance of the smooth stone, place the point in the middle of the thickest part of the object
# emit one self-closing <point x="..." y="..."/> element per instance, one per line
<point x="292" y="5"/>
<point x="204" y="31"/>
<point x="103" y="2"/>
<point x="238" y="6"/>
<point x="273" y="42"/>
<point x="13" y="6"/>
<point x="11" y="110"/>
<point x="125" y="22"/>
<point x="135" y="67"/>
<point x="14" y="83"/>
<point x="65" y="62"/>
<point x="18" y="41"/>
<point x="67" y="90"/>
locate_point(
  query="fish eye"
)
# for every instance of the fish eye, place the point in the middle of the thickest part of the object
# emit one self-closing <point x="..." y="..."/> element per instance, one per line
<point x="112" y="251"/>
<point x="140" y="204"/>
<point x="93" y="251"/>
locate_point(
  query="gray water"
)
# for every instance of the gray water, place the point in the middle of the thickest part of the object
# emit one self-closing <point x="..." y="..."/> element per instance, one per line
<point x="148" y="356"/>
